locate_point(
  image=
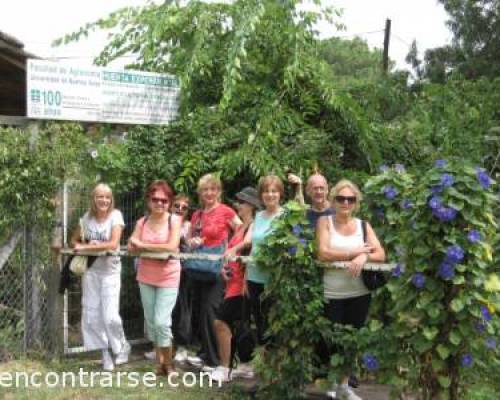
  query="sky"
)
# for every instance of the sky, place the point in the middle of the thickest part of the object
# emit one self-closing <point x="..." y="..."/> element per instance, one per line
<point x="38" y="23"/>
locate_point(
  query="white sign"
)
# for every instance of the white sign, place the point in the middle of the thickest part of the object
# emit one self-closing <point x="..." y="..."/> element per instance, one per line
<point x="57" y="90"/>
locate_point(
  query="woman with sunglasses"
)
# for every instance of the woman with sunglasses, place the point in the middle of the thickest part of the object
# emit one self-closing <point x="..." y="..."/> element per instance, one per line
<point x="211" y="227"/>
<point x="158" y="279"/>
<point x="232" y="308"/>
<point x="180" y="207"/>
<point x="340" y="238"/>
<point x="101" y="322"/>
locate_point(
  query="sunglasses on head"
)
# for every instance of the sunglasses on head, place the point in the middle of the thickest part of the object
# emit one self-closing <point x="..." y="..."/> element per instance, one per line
<point x="159" y="200"/>
<point x="343" y="199"/>
<point x="181" y="207"/>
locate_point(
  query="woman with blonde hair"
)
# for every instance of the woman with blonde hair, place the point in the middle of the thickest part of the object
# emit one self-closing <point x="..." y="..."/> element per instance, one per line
<point x="210" y="229"/>
<point x="271" y="192"/>
<point x="101" y="322"/>
<point x="342" y="237"/>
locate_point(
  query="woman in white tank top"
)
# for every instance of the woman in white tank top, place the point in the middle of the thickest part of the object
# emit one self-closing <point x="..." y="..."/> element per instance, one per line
<point x="340" y="238"/>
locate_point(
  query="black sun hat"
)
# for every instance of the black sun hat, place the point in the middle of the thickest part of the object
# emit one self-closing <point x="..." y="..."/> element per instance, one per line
<point x="249" y="195"/>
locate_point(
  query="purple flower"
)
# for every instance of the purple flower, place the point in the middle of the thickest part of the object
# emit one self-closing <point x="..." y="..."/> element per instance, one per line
<point x="292" y="250"/>
<point x="445" y="214"/>
<point x="440" y="163"/>
<point x="370" y="362"/>
<point x="480" y="326"/>
<point x="398" y="270"/>
<point x="436" y="189"/>
<point x="474" y="236"/>
<point x="418" y="280"/>
<point x="446" y="270"/>
<point x="434" y="202"/>
<point x="297" y="229"/>
<point x="447" y="180"/>
<point x="485" y="312"/>
<point x="399" y="168"/>
<point x="302" y="241"/>
<point x="483" y="178"/>
<point x="406" y="204"/>
<point x="467" y="360"/>
<point x="383" y="168"/>
<point x="454" y="254"/>
<point x="490" y="343"/>
<point x="390" y="192"/>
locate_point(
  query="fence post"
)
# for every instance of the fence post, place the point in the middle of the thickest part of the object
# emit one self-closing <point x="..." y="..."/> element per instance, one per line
<point x="55" y="328"/>
<point x="32" y="299"/>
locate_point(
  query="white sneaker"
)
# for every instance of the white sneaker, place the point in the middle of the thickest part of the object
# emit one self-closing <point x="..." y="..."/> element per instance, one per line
<point x="122" y="356"/>
<point x="150" y="355"/>
<point x="107" y="361"/>
<point x="208" y="368"/>
<point x="243" y="371"/>
<point x="181" y="355"/>
<point x="195" y="361"/>
<point x="221" y="374"/>
<point x="344" y="392"/>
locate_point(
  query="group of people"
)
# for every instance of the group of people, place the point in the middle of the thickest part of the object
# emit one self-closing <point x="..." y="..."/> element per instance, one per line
<point x="234" y="294"/>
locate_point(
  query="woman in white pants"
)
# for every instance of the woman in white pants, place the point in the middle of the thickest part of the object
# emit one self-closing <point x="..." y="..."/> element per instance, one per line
<point x="102" y="326"/>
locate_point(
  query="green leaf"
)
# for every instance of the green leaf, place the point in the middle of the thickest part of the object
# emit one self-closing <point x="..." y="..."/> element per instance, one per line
<point x="430" y="332"/>
<point x="455" y="337"/>
<point x="457" y="305"/>
<point x="443" y="351"/>
<point x="444" y="381"/>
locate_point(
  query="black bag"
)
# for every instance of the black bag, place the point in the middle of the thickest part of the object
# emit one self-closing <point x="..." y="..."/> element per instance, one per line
<point x="372" y="279"/>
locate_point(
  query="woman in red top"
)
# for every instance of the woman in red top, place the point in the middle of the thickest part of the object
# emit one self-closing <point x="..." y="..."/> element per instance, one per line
<point x="210" y="226"/>
<point x="233" y="273"/>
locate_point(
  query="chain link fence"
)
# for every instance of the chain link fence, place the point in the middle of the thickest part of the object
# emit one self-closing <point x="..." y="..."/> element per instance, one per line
<point x="34" y="317"/>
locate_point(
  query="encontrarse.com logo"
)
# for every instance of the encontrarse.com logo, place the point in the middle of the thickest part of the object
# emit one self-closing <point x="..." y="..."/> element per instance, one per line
<point x="103" y="379"/>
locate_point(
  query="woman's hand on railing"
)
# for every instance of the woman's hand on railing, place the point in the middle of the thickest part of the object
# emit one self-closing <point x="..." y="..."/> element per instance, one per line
<point x="195" y="242"/>
<point x="355" y="266"/>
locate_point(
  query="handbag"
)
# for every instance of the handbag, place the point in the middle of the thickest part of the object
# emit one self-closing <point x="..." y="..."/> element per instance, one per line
<point x="205" y="270"/>
<point x="79" y="264"/>
<point x="372" y="279"/>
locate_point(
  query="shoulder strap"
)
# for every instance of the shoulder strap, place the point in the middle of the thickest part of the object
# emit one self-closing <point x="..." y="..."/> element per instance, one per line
<point x="363" y="228"/>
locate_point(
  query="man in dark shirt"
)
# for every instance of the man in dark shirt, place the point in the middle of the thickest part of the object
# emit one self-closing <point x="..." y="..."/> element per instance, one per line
<point x="317" y="192"/>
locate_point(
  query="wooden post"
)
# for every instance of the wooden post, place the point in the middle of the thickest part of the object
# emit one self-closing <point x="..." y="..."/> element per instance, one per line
<point x="32" y="297"/>
<point x="387" y="36"/>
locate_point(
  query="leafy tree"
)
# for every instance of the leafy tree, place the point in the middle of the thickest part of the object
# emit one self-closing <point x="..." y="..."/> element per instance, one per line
<point x="475" y="50"/>
<point x="257" y="98"/>
<point x="351" y="59"/>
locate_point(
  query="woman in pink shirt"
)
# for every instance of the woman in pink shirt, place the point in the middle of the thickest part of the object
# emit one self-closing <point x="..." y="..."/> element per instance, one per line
<point x="158" y="279"/>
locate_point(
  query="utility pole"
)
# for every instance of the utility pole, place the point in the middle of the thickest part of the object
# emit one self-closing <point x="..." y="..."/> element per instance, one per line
<point x="387" y="36"/>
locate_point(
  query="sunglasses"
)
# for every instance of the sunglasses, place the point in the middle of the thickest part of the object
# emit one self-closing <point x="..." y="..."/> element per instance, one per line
<point x="181" y="207"/>
<point x="343" y="199"/>
<point x="159" y="200"/>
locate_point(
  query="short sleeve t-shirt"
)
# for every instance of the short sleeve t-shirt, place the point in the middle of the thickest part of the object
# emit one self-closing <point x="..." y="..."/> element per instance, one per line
<point x="215" y="224"/>
<point x="101" y="231"/>
<point x="261" y="229"/>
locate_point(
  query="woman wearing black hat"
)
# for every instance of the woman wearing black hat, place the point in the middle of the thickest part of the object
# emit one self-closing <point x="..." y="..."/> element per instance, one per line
<point x="231" y="309"/>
